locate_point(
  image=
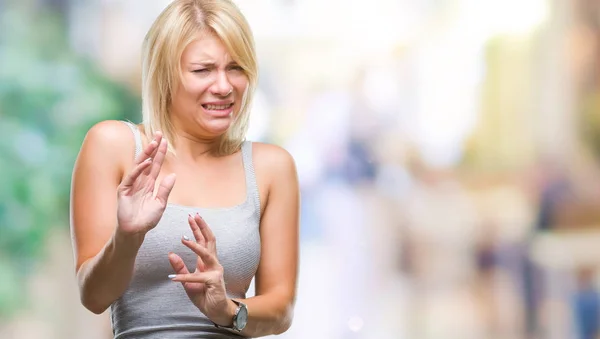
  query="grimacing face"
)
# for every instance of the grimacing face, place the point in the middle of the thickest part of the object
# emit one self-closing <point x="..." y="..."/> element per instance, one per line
<point x="211" y="89"/>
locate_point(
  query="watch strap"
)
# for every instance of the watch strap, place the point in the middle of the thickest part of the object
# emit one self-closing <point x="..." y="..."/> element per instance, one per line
<point x="232" y="327"/>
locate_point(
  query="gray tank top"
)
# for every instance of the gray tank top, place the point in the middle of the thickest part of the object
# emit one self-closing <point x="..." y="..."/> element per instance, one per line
<point x="153" y="306"/>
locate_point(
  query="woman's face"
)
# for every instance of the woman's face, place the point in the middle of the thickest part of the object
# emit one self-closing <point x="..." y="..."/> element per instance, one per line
<point x="210" y="93"/>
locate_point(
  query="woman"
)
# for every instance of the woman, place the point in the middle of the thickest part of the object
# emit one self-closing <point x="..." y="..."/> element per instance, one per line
<point x="198" y="212"/>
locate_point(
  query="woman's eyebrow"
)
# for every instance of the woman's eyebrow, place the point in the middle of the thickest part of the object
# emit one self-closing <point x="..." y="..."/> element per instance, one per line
<point x="203" y="63"/>
<point x="210" y="63"/>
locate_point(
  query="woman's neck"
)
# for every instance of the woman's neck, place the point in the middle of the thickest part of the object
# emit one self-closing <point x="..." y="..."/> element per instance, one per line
<point x="192" y="147"/>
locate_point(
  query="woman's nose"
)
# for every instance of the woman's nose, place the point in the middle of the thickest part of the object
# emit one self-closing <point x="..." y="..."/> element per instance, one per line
<point x="222" y="86"/>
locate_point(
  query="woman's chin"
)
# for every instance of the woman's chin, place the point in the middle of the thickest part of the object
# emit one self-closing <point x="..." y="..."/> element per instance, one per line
<point x="217" y="127"/>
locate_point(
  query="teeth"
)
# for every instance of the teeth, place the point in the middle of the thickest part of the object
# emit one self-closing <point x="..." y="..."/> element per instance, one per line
<point x="217" y="107"/>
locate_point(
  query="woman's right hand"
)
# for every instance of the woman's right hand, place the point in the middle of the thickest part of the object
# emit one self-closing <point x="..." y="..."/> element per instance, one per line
<point x="140" y="205"/>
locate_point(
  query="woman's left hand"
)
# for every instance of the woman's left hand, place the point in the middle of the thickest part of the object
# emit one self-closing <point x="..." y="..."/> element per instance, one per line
<point x="205" y="286"/>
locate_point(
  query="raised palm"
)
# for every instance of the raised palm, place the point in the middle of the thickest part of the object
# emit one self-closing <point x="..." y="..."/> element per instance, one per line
<point x="140" y="204"/>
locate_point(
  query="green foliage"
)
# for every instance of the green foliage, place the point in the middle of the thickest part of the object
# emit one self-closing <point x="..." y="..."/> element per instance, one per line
<point x="49" y="98"/>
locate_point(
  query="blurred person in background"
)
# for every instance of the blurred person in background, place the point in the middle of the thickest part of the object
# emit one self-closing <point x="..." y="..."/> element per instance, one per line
<point x="553" y="191"/>
<point x="129" y="215"/>
<point x="586" y="305"/>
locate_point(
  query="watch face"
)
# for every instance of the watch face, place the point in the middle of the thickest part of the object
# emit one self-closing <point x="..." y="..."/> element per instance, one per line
<point x="242" y="318"/>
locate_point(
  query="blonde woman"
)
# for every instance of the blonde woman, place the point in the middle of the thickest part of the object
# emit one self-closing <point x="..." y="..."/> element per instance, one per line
<point x="172" y="219"/>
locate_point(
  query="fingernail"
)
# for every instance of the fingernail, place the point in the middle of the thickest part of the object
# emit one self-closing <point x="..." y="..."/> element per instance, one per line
<point x="171" y="276"/>
<point x="185" y="237"/>
<point x="148" y="160"/>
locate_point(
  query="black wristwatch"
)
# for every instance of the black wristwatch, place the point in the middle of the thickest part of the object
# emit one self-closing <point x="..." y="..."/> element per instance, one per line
<point x="240" y="318"/>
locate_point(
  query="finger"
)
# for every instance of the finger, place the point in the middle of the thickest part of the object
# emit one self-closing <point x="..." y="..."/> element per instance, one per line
<point x="135" y="173"/>
<point x="157" y="149"/>
<point x="205" y="229"/>
<point x="159" y="158"/>
<point x="152" y="156"/>
<point x="179" y="267"/>
<point x="150" y="149"/>
<point x="208" y="258"/>
<point x="193" y="221"/>
<point x="177" y="264"/>
<point x="199" y="239"/>
<point x="200" y="266"/>
<point x="165" y="188"/>
<point x="204" y="277"/>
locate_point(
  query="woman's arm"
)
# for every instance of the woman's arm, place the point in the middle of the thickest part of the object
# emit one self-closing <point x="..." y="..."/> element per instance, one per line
<point x="99" y="254"/>
<point x="105" y="253"/>
<point x="271" y="310"/>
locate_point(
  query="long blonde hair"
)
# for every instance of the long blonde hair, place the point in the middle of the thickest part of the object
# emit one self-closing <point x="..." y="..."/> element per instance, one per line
<point x="174" y="29"/>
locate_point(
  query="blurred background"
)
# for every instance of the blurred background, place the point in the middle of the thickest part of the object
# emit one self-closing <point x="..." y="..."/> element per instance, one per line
<point x="448" y="153"/>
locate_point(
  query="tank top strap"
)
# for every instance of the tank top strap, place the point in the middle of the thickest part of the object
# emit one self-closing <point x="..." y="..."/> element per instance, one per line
<point x="251" y="185"/>
<point x="137" y="137"/>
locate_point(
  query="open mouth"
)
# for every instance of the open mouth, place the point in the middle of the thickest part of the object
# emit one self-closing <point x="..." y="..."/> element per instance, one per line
<point x="217" y="107"/>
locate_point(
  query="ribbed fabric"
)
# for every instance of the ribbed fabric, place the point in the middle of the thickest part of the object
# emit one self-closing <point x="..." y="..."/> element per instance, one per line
<point x="153" y="306"/>
<point x="137" y="137"/>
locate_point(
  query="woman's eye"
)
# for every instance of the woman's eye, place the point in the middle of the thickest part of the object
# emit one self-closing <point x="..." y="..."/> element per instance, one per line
<point x="236" y="68"/>
<point x="203" y="70"/>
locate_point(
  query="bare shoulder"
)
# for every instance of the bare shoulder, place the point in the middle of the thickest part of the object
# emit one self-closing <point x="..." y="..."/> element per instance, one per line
<point x="273" y="160"/>
<point x="109" y="132"/>
<point x="113" y="134"/>
<point x="109" y="141"/>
